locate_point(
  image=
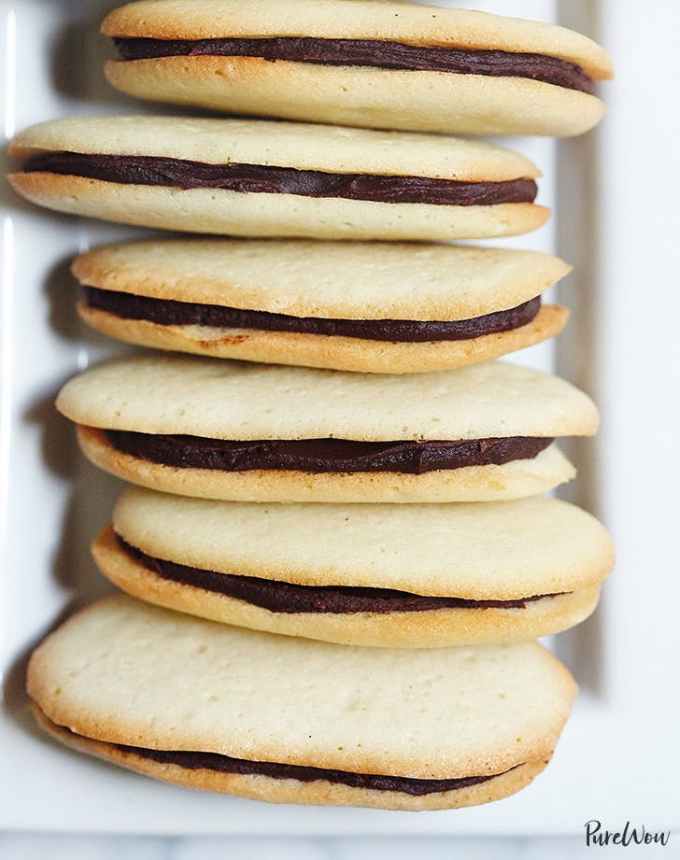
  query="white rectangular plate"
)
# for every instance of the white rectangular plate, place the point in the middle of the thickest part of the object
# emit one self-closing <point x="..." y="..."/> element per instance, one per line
<point x="618" y="216"/>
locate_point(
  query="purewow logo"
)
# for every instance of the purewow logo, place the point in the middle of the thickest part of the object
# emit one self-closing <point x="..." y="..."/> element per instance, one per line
<point x="598" y="836"/>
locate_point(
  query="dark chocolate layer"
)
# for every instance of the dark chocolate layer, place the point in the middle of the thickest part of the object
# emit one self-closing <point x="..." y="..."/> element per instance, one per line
<point x="168" y="312"/>
<point x="324" y="455"/>
<point x="244" y="767"/>
<point x="262" y="179"/>
<point x="364" y="52"/>
<point x="284" y="597"/>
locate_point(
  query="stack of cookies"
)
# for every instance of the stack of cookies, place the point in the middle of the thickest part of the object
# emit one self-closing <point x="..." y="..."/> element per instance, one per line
<point x="336" y="548"/>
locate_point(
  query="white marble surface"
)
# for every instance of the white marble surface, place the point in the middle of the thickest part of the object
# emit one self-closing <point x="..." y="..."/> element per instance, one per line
<point x="131" y="848"/>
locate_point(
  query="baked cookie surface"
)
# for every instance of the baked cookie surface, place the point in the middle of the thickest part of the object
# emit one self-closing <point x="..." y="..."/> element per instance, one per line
<point x="382" y="65"/>
<point x="224" y="430"/>
<point x="380" y="308"/>
<point x="277" y="179"/>
<point x="382" y="575"/>
<point x="229" y="400"/>
<point x="215" y="707"/>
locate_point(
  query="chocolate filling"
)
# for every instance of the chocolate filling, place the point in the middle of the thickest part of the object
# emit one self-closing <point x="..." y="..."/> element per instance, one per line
<point x="263" y="179"/>
<point x="168" y="312"/>
<point x="244" y="767"/>
<point x="364" y="52"/>
<point x="323" y="455"/>
<point x="290" y="599"/>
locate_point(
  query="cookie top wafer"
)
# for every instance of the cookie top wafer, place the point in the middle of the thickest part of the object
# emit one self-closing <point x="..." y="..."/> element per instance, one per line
<point x="350" y="280"/>
<point x="277" y="144"/>
<point x="126" y="673"/>
<point x="493" y="551"/>
<point x="227" y="400"/>
<point x="358" y="19"/>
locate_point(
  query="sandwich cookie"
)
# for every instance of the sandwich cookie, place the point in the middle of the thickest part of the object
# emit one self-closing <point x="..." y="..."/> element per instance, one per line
<point x="287" y="720"/>
<point x="407" y="576"/>
<point x="256" y="178"/>
<point x="374" y="308"/>
<point x="257" y="433"/>
<point x="381" y="65"/>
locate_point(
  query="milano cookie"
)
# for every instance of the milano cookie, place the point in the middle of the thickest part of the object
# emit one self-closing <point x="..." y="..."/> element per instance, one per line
<point x="256" y="178"/>
<point x="286" y="720"/>
<point x="412" y="576"/>
<point x="374" y="308"/>
<point x="382" y="65"/>
<point x="234" y="431"/>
